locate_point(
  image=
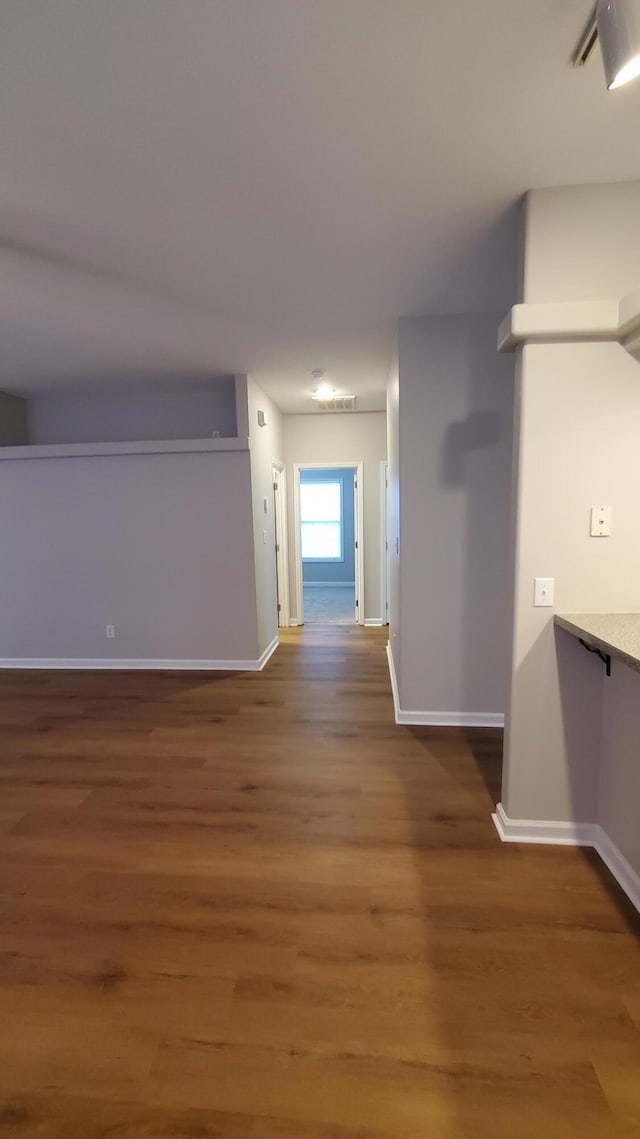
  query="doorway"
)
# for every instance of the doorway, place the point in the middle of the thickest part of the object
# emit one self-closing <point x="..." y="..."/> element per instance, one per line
<point x="329" y="543"/>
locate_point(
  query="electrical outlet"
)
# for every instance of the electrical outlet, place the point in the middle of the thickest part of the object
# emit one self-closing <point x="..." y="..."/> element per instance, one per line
<point x="110" y="631"/>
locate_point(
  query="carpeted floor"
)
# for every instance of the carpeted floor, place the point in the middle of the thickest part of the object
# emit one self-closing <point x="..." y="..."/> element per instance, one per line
<point x="332" y="606"/>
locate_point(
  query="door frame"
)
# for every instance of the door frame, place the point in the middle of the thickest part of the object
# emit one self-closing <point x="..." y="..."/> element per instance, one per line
<point x="358" y="468"/>
<point x="279" y="485"/>
<point x="384" y="541"/>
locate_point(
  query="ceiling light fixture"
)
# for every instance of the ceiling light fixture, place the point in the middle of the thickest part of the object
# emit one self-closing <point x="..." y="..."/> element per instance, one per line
<point x="325" y="391"/>
<point x="326" y="397"/>
<point x="616" y="24"/>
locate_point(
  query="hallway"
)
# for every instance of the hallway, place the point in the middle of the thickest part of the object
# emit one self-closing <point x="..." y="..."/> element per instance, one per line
<point x="329" y="605"/>
<point x="250" y="906"/>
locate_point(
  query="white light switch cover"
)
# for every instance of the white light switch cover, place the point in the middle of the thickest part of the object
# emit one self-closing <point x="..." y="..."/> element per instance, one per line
<point x="543" y="591"/>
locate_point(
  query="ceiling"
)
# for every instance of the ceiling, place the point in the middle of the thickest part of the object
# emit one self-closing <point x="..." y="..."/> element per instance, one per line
<point x="196" y="187"/>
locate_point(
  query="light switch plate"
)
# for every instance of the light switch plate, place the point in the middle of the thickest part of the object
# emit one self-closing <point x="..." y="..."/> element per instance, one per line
<point x="543" y="591"/>
<point x="601" y="518"/>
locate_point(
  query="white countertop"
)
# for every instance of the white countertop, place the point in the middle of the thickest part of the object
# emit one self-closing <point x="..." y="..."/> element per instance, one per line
<point x="617" y="634"/>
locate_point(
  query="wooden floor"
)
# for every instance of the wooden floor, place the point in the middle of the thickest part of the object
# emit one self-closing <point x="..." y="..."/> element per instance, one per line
<point x="252" y="907"/>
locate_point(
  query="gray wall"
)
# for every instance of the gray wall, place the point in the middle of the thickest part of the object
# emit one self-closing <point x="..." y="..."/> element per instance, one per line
<point x="158" y="545"/>
<point x="266" y="445"/>
<point x="14" y="431"/>
<point x="577" y="431"/>
<point x="343" y="438"/>
<point x="619" y="787"/>
<point x="187" y="411"/>
<point x="455" y="431"/>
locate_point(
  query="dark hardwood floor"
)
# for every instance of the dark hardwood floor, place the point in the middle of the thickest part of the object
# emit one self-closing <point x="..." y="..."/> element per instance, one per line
<point x="252" y="907"/>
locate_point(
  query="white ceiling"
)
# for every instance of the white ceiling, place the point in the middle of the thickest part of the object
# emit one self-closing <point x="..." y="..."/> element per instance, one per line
<point x="191" y="187"/>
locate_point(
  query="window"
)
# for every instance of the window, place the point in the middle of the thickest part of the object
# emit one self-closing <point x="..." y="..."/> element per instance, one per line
<point x="321" y="521"/>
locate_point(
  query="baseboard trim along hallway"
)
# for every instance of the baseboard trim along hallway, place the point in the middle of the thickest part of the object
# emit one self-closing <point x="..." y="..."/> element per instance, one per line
<point x="439" y="719"/>
<point x="124" y="664"/>
<point x="550" y="833"/>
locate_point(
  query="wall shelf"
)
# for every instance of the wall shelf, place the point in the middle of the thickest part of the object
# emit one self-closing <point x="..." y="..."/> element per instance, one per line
<point x="616" y="320"/>
<point x="614" y="635"/>
<point x="143" y="447"/>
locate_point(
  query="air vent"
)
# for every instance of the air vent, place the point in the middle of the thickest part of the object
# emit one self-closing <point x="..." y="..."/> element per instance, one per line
<point x="336" y="403"/>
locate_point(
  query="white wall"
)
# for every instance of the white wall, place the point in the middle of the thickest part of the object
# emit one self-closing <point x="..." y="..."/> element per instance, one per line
<point x="581" y="242"/>
<point x="339" y="438"/>
<point x="455" y="428"/>
<point x="266" y="445"/>
<point x="184" y="411"/>
<point x="579" y="428"/>
<point x="13" y="421"/>
<point x="577" y="432"/>
<point x="158" y="545"/>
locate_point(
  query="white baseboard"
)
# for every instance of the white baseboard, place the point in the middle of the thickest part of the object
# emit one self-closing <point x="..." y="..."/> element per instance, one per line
<point x="124" y="664"/>
<point x="294" y="622"/>
<point x="394" y="679"/>
<point x="440" y="719"/>
<point x="543" y="831"/>
<point x="554" y="833"/>
<point x="453" y="719"/>
<point x="373" y="622"/>
<point x="329" y="584"/>
<point x="622" y="871"/>
<point x="267" y="654"/>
